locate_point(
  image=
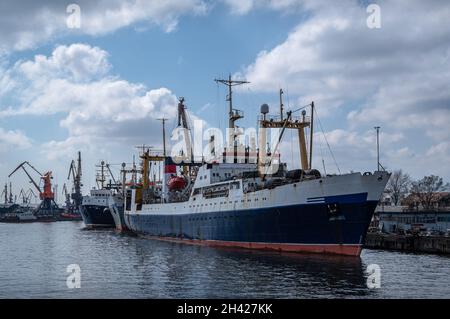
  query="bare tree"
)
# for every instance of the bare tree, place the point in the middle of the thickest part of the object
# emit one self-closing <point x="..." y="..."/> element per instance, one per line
<point x="425" y="190"/>
<point x="398" y="186"/>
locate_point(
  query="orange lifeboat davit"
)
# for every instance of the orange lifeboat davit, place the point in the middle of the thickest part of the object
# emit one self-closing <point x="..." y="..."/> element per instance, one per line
<point x="176" y="183"/>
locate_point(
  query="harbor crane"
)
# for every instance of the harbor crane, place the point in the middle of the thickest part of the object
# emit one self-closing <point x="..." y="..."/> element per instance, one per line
<point x="75" y="173"/>
<point x="27" y="196"/>
<point x="188" y="156"/>
<point x="66" y="196"/>
<point x="23" y="196"/>
<point x="46" y="195"/>
<point x="8" y="196"/>
<point x="5" y="193"/>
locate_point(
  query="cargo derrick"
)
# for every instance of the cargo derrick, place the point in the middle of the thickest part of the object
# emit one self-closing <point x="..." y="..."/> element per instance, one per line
<point x="48" y="205"/>
<point x="75" y="173"/>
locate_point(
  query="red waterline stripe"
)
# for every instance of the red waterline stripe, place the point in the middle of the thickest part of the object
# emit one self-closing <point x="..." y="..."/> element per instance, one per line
<point x="336" y="249"/>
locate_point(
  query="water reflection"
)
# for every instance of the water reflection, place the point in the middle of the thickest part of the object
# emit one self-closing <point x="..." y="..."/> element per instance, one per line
<point x="35" y="257"/>
<point x="196" y="271"/>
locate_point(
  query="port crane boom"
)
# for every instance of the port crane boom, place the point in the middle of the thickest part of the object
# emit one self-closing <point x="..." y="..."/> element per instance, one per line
<point x="183" y="124"/>
<point x="48" y="206"/>
<point x="45" y="177"/>
<point x="75" y="173"/>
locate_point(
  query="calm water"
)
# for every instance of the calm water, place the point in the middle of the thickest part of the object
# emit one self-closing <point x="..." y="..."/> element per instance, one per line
<point x="34" y="257"/>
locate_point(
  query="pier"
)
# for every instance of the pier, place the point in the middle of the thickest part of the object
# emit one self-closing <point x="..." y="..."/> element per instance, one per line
<point x="409" y="243"/>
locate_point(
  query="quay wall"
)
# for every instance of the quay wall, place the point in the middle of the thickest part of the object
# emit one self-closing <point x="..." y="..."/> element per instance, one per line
<point x="410" y="243"/>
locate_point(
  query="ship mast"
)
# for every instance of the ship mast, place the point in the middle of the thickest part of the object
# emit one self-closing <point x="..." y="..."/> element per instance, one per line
<point x="281" y="104"/>
<point x="290" y="122"/>
<point x="10" y="193"/>
<point x="101" y="176"/>
<point x="311" y="133"/>
<point x="233" y="114"/>
<point x="147" y="157"/>
<point x="164" y="120"/>
<point x="6" y="193"/>
<point x="183" y="123"/>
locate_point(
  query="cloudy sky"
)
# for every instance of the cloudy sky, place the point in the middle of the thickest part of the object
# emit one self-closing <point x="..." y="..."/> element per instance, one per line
<point x="100" y="88"/>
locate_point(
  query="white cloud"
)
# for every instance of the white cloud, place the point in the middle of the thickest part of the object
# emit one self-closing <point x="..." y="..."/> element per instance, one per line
<point x="108" y="16"/>
<point x="334" y="56"/>
<point x="442" y="148"/>
<point x="242" y="7"/>
<point x="13" y="140"/>
<point x="77" y="62"/>
<point x="396" y="77"/>
<point x="96" y="107"/>
<point x="105" y="117"/>
<point x="28" y="23"/>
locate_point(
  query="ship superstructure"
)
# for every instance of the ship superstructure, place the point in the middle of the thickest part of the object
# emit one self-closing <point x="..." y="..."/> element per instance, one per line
<point x="242" y="200"/>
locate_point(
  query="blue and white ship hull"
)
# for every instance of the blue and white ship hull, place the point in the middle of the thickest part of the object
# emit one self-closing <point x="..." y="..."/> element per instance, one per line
<point x="95" y="209"/>
<point x="325" y="215"/>
<point x="115" y="204"/>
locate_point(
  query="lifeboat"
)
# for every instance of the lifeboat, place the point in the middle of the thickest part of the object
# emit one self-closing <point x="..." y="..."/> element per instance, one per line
<point x="176" y="183"/>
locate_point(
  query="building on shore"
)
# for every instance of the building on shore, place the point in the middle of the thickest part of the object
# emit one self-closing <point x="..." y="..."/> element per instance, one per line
<point x="412" y="217"/>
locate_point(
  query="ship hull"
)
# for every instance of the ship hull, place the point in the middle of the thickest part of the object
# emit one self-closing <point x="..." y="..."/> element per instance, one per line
<point x="311" y="228"/>
<point x="97" y="216"/>
<point x="335" y="249"/>
<point x="117" y="211"/>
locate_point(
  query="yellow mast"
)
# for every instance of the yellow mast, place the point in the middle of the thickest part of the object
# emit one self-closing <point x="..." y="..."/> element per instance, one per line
<point x="145" y="169"/>
<point x="299" y="124"/>
<point x="302" y="145"/>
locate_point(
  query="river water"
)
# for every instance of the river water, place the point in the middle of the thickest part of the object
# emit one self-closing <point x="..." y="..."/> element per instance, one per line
<point x="34" y="260"/>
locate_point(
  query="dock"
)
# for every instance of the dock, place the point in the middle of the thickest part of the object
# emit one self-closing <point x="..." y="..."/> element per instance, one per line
<point x="409" y="243"/>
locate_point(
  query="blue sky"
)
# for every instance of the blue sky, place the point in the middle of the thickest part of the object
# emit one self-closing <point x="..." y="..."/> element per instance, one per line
<point x="100" y="88"/>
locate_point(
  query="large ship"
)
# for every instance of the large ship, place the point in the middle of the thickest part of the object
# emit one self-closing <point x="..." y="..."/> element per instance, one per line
<point x="236" y="201"/>
<point x="94" y="208"/>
